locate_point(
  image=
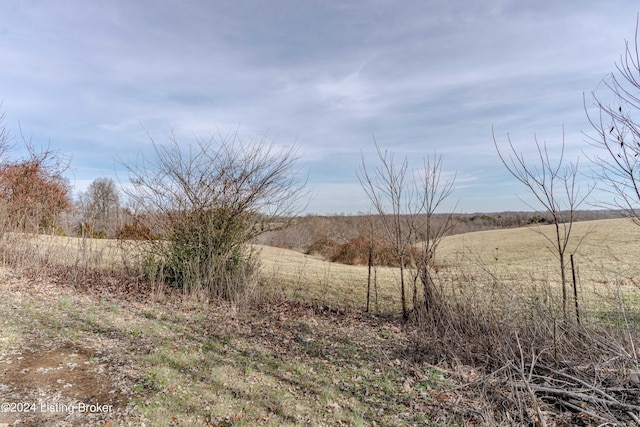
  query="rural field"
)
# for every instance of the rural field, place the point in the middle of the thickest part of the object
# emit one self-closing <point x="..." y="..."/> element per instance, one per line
<point x="606" y="253"/>
<point x="86" y="347"/>
<point x="320" y="215"/>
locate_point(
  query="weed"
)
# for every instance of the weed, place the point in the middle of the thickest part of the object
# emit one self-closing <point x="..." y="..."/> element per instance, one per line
<point x="210" y="346"/>
<point x="248" y="370"/>
<point x="149" y="314"/>
<point x="385" y="334"/>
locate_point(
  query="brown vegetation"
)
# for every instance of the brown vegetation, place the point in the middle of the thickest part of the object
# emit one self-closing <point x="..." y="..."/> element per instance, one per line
<point x="319" y="234"/>
<point x="33" y="192"/>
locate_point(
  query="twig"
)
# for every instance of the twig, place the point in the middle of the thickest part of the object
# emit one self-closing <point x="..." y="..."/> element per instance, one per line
<point x="584" y="383"/>
<point x="528" y="386"/>
<point x="579" y="409"/>
<point x="634" y="416"/>
<point x="585" y="398"/>
<point x="480" y="379"/>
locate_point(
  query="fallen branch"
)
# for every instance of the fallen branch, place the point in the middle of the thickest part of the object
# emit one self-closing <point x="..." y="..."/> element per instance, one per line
<point x="583" y="397"/>
<point x="579" y="381"/>
<point x="526" y="380"/>
<point x="634" y="416"/>
<point x="582" y="410"/>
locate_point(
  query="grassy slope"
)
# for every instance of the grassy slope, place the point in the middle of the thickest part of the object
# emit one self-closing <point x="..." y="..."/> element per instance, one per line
<point x="605" y="246"/>
<point x="188" y="364"/>
<point x="606" y="255"/>
<point x="183" y="364"/>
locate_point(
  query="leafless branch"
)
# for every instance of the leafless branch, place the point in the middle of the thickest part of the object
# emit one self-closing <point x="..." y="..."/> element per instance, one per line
<point x="209" y="198"/>
<point x="554" y="186"/>
<point x="406" y="206"/>
<point x="617" y="133"/>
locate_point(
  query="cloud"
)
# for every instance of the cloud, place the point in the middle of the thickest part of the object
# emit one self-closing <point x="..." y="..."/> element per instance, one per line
<point x="93" y="78"/>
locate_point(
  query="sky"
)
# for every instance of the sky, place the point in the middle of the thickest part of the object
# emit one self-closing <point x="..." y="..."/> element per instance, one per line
<point x="96" y="80"/>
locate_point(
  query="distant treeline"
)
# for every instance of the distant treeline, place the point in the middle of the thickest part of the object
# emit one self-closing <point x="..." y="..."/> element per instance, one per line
<point x="499" y="220"/>
<point x="324" y="235"/>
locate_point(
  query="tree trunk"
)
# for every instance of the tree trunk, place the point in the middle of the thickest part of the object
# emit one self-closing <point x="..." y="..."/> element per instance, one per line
<point x="403" y="298"/>
<point x="564" y="286"/>
<point x="369" y="265"/>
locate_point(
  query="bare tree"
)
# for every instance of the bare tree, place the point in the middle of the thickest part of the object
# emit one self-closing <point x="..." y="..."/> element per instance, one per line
<point x="617" y="131"/>
<point x="387" y="190"/>
<point x="432" y="191"/>
<point x="210" y="198"/>
<point x="406" y="206"/>
<point x="5" y="137"/>
<point x="556" y="190"/>
<point x="100" y="209"/>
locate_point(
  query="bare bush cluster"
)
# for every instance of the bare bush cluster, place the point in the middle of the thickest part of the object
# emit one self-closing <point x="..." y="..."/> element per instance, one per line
<point x="406" y="202"/>
<point x="205" y="202"/>
<point x="529" y="366"/>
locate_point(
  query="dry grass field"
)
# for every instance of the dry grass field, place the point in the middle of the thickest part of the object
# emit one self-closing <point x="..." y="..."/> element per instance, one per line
<point x="605" y="254"/>
<point x="604" y="250"/>
<point x="304" y="353"/>
<point x="605" y="257"/>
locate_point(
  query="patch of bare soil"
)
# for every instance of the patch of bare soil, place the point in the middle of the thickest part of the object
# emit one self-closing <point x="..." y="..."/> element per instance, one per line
<point x="48" y="377"/>
<point x="62" y="385"/>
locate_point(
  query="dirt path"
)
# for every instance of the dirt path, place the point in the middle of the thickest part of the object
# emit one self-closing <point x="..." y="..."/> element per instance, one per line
<point x="55" y="370"/>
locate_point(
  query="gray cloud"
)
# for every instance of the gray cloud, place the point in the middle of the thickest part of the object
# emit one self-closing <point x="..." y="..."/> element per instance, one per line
<point x="92" y="78"/>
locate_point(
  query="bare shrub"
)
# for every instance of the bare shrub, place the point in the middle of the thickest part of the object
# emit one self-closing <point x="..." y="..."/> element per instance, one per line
<point x="555" y="187"/>
<point x="529" y="368"/>
<point x="405" y="204"/>
<point x="205" y="202"/>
